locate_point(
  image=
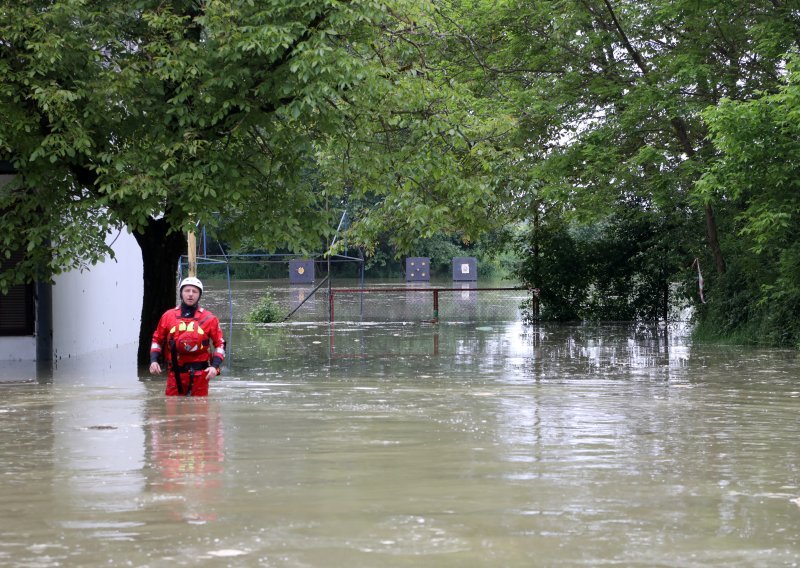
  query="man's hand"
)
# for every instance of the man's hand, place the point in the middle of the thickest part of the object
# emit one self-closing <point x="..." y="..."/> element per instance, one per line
<point x="155" y="368"/>
<point x="211" y="372"/>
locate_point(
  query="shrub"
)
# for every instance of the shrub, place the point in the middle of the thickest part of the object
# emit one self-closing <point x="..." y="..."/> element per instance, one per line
<point x="267" y="311"/>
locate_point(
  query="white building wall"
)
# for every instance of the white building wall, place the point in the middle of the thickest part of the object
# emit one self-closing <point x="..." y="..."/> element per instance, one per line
<point x="100" y="308"/>
<point x="16" y="349"/>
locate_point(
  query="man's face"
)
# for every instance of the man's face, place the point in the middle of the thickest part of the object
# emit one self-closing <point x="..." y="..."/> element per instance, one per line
<point x="190" y="294"/>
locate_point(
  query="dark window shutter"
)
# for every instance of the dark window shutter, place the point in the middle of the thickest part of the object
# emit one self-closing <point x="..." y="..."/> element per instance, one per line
<point x="17" y="308"/>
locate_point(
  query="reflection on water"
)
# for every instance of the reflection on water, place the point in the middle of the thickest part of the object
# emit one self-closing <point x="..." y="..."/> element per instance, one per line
<point x="468" y="443"/>
<point x="186" y="452"/>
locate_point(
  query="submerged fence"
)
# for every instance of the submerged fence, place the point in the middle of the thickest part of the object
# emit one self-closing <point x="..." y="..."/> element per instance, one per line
<point x="423" y="304"/>
<point x="395" y="310"/>
<point x="382" y="320"/>
<point x="375" y="304"/>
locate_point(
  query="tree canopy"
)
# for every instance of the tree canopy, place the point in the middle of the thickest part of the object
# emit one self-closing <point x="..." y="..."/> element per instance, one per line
<point x="757" y="171"/>
<point x="271" y="114"/>
<point x="614" y="102"/>
<point x="661" y="128"/>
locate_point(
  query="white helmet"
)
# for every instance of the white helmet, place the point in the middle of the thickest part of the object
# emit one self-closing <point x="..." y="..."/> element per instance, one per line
<point x="191" y="281"/>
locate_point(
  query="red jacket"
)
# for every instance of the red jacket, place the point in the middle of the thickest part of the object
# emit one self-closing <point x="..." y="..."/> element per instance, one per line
<point x="198" y="343"/>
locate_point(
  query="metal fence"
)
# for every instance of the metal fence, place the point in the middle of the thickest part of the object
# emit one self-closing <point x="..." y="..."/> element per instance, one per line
<point x="426" y="304"/>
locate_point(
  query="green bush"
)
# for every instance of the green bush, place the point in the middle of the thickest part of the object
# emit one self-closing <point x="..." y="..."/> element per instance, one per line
<point x="616" y="269"/>
<point x="752" y="303"/>
<point x="267" y="311"/>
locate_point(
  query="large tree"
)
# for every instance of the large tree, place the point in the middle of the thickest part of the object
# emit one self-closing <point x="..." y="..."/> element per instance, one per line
<point x="158" y="116"/>
<point x="609" y="94"/>
<point x="758" y="171"/>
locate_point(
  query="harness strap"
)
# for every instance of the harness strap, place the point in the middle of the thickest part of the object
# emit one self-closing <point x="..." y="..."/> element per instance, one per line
<point x="190" y="368"/>
<point x="175" y="366"/>
<point x="195" y="366"/>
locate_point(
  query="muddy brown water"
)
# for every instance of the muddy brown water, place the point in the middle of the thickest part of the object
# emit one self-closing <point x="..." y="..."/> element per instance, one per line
<point x="466" y="443"/>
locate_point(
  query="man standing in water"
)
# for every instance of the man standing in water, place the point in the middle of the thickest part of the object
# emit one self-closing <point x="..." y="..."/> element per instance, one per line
<point x="184" y="336"/>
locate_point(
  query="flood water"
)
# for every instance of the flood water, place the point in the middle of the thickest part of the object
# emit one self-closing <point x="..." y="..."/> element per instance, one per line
<point x="471" y="442"/>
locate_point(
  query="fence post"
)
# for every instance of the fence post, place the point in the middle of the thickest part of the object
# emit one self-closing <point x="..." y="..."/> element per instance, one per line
<point x="436" y="306"/>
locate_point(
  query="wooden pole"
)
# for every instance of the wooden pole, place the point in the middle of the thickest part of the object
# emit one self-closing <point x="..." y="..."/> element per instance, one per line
<point x="192" y="246"/>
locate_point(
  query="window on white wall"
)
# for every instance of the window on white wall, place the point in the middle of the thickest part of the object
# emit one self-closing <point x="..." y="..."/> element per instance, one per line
<point x="17" y="308"/>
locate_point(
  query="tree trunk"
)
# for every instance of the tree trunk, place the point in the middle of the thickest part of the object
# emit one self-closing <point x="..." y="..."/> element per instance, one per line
<point x="713" y="240"/>
<point x="160" y="254"/>
<point x="681" y="129"/>
<point x="536" y="266"/>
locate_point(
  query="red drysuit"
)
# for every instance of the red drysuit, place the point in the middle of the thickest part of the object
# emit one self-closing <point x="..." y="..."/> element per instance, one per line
<point x="186" y="339"/>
